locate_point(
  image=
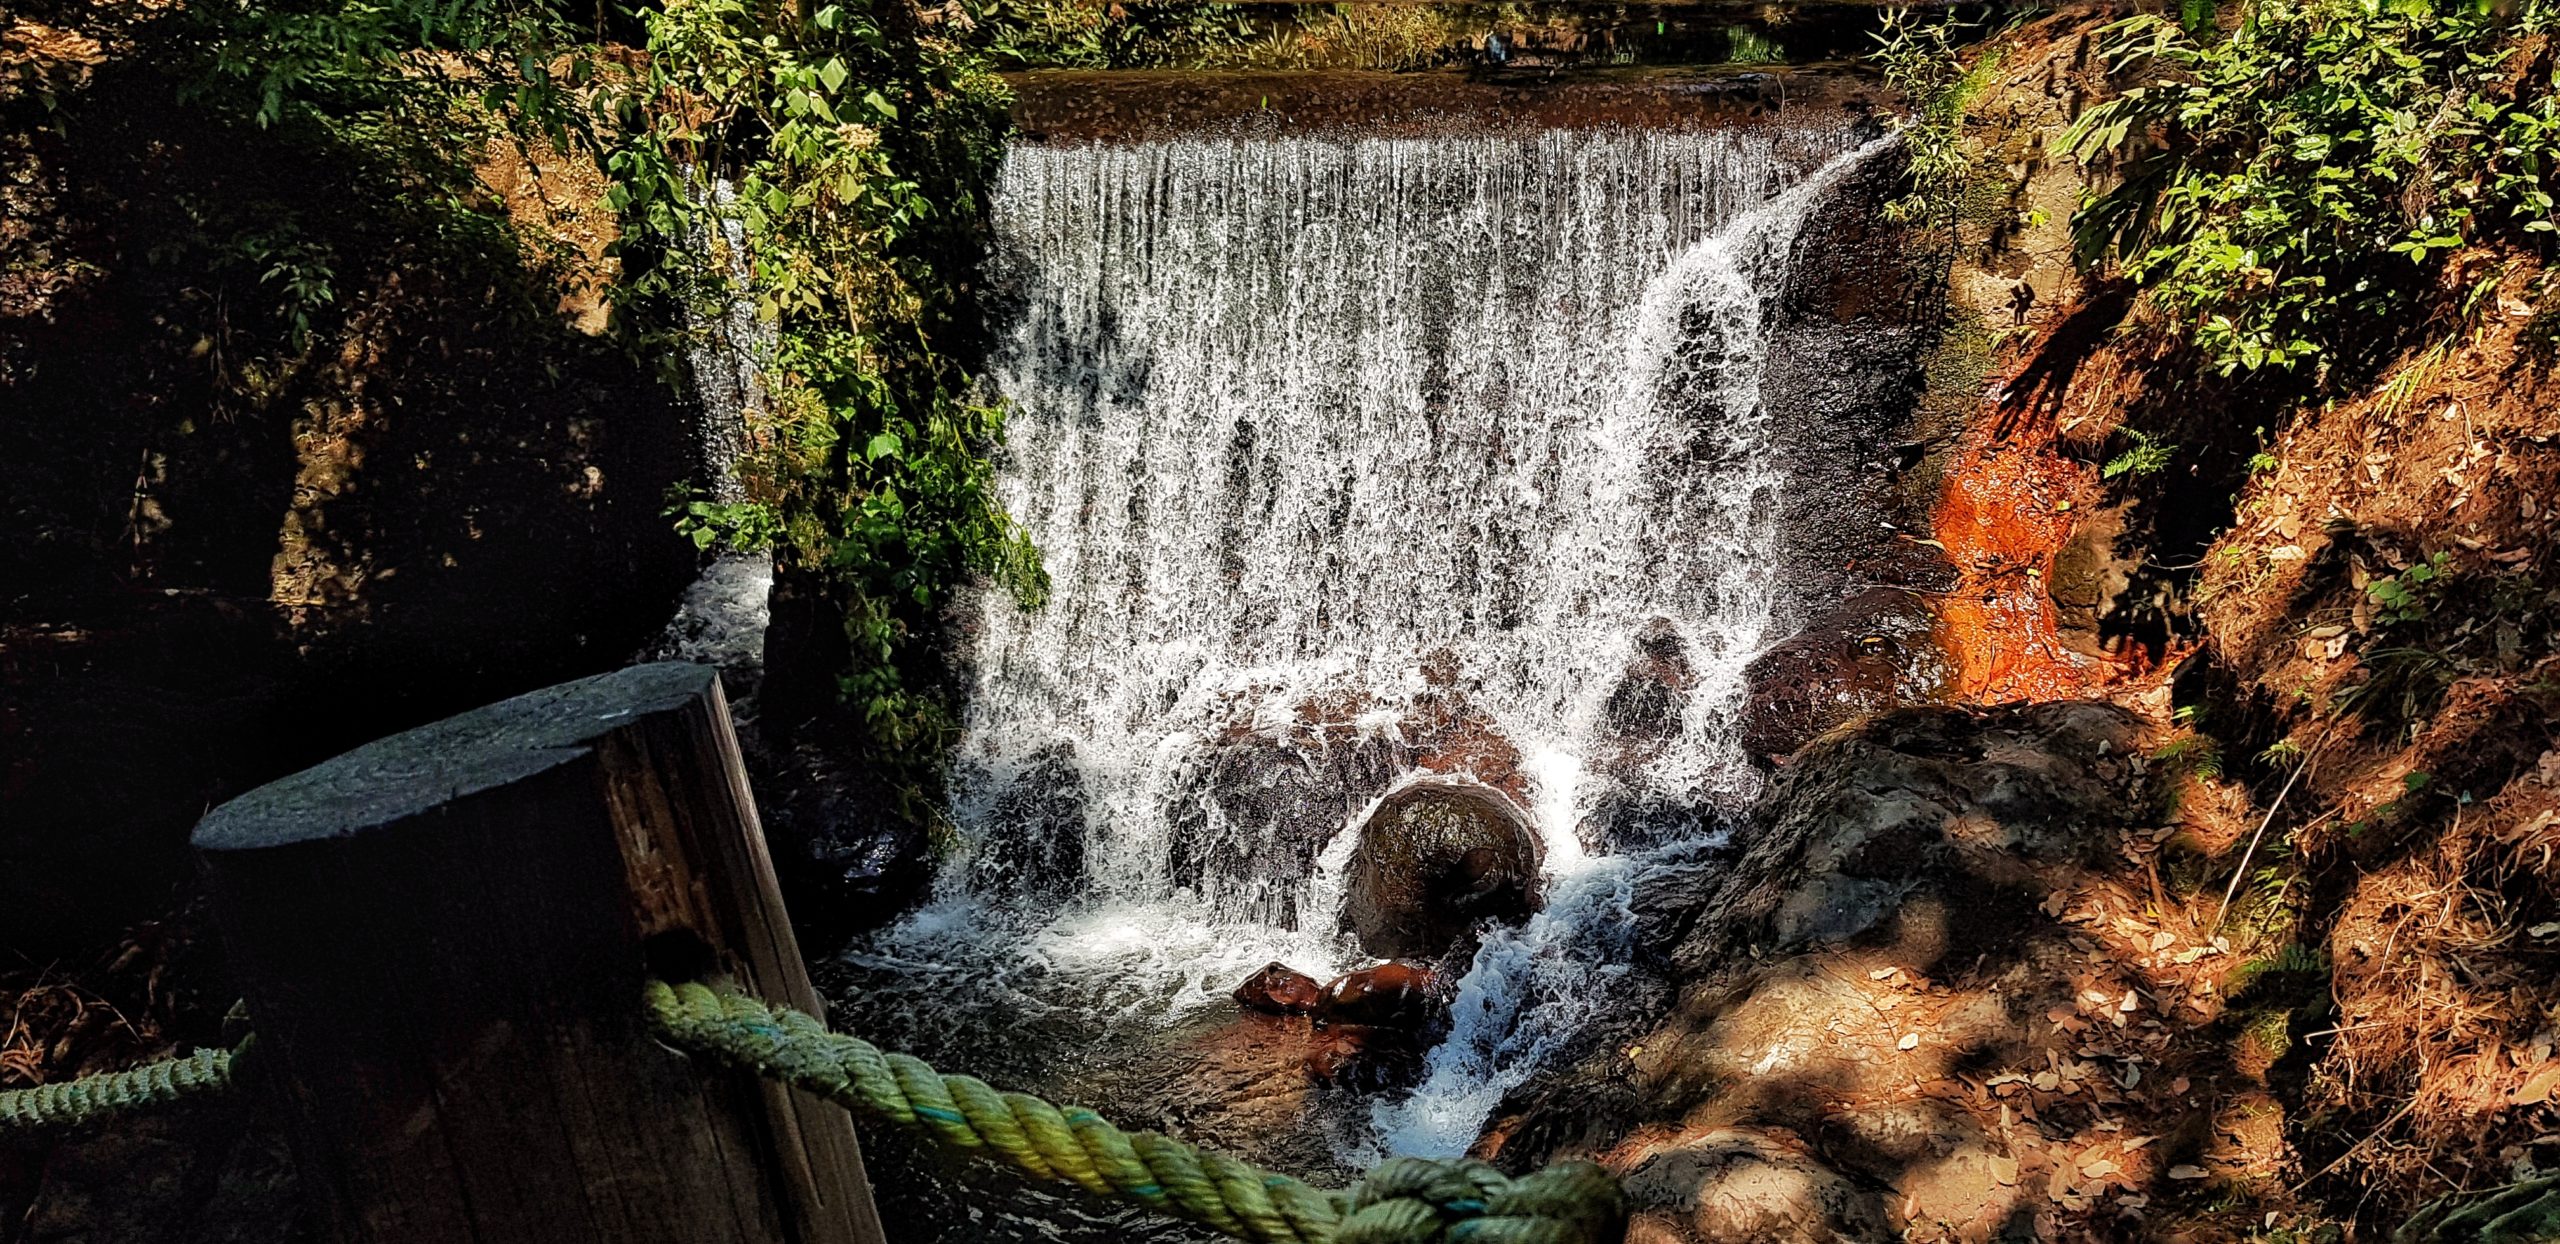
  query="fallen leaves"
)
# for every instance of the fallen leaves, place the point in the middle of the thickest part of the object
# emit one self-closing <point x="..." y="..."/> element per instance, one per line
<point x="2537" y="1087"/>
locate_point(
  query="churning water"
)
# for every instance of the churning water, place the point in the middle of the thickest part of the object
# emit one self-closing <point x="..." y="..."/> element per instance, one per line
<point x="1349" y="459"/>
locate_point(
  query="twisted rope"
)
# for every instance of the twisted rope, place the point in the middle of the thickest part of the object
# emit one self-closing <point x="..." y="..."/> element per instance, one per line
<point x="2525" y="1212"/>
<point x="91" y="1098"/>
<point x="1403" y="1201"/>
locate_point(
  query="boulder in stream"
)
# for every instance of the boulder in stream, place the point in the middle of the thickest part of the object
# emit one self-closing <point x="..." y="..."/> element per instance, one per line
<point x="1390" y="995"/>
<point x="1435" y="860"/>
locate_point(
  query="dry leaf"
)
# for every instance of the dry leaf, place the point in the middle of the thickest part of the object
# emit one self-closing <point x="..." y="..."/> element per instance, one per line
<point x="1909" y="1041"/>
<point x="2537" y="1089"/>
<point x="2186" y="1172"/>
<point x="2005" y="1170"/>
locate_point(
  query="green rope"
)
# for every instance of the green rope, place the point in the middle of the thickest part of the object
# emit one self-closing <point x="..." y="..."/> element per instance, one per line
<point x="1403" y="1201"/>
<point x="90" y="1098"/>
<point x="2524" y="1212"/>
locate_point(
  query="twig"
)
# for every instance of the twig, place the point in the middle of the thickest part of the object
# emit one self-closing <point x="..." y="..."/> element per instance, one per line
<point x="2370" y="1137"/>
<point x="2229" y="891"/>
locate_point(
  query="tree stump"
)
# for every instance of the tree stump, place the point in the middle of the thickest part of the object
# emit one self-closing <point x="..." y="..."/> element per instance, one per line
<point x="443" y="935"/>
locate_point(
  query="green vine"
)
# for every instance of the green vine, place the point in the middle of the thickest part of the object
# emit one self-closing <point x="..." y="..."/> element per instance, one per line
<point x="859" y="145"/>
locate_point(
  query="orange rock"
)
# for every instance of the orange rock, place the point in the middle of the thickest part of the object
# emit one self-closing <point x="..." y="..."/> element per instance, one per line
<point x="1392" y="995"/>
<point x="1280" y="990"/>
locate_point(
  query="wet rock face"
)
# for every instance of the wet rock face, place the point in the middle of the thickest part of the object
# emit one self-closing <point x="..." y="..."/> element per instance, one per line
<point x="1038" y="849"/>
<point x="1869" y="653"/>
<point x="1643" y="711"/>
<point x="1258" y="802"/>
<point x="1434" y="861"/>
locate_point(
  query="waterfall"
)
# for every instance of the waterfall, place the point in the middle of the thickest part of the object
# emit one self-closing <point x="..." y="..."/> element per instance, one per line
<point x="1352" y="458"/>
<point x="1698" y="345"/>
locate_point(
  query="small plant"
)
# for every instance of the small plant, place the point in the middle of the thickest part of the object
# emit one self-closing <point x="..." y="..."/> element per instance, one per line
<point x="2407" y="595"/>
<point x="729" y="526"/>
<point x="2193" y="754"/>
<point x="2147" y="456"/>
<point x="2284" y="190"/>
<point x="1920" y="60"/>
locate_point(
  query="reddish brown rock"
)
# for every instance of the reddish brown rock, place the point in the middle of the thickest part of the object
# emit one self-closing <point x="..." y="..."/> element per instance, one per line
<point x="1873" y="651"/>
<point x="1279" y="990"/>
<point x="1390" y="995"/>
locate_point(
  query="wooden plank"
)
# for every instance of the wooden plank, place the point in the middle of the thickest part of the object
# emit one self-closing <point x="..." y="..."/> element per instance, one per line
<point x="442" y="936"/>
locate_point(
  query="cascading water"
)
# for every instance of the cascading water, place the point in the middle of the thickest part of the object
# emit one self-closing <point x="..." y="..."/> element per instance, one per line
<point x="1352" y="459"/>
<point x="1697" y="346"/>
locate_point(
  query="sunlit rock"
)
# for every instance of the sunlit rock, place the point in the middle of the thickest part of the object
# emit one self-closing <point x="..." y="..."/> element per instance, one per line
<point x="1434" y="861"/>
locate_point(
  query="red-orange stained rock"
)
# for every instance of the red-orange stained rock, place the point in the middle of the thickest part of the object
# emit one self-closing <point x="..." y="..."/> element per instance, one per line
<point x="2000" y="518"/>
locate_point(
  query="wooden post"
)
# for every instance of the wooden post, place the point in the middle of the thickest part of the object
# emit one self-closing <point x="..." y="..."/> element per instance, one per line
<point x="443" y="935"/>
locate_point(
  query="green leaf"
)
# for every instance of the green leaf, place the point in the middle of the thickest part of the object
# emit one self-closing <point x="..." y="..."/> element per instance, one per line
<point x="833" y="74"/>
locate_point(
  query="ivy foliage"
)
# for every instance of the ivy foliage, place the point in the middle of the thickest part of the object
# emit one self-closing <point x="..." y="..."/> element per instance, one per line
<point x="857" y="147"/>
<point x="2288" y="189"/>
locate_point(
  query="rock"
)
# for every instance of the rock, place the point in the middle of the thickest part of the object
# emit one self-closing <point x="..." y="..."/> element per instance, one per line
<point x="1279" y="989"/>
<point x="1643" y="710"/>
<point x="1034" y="845"/>
<point x="1963" y="804"/>
<point x="1391" y="995"/>
<point x="1740" y="1186"/>
<point x="1435" y="860"/>
<point x="1364" y="1058"/>
<point x="845" y="865"/>
<point x="1871" y="652"/>
<point x="1885" y="932"/>
<point x="1258" y="801"/>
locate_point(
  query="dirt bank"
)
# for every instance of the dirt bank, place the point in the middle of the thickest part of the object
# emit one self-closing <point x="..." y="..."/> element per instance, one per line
<point x="2310" y="990"/>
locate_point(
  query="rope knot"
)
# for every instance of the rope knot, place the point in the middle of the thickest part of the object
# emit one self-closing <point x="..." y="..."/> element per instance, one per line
<point x="1412" y="1200"/>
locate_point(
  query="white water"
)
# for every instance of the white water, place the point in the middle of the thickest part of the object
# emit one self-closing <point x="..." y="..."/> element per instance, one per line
<point x="1296" y="420"/>
<point x="1698" y="342"/>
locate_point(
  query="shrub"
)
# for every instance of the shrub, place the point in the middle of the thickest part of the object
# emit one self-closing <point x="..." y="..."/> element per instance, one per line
<point x="2286" y="189"/>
